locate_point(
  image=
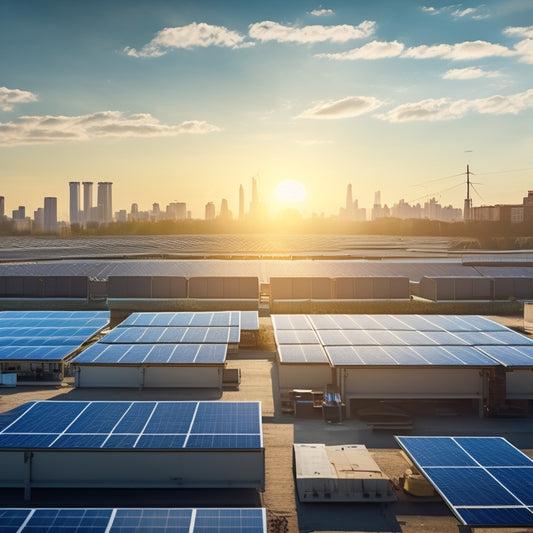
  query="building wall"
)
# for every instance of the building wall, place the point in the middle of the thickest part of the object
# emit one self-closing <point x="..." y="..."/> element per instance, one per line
<point x="314" y="377"/>
<point x="519" y="384"/>
<point x="413" y="383"/>
<point x="135" y="469"/>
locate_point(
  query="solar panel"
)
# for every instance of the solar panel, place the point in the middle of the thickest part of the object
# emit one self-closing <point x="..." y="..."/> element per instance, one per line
<point x="132" y="425"/>
<point x="485" y="481"/>
<point x="47" y="335"/>
<point x="302" y="353"/>
<point x="407" y="356"/>
<point x="133" y="520"/>
<point x="297" y="336"/>
<point x="172" y="335"/>
<point x="291" y="322"/>
<point x="180" y="354"/>
<point x="511" y="356"/>
<point x="191" y="319"/>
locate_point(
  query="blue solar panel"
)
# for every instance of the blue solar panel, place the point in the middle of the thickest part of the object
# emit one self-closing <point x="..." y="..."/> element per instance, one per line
<point x="153" y="354"/>
<point x="291" y="322"/>
<point x="127" y="425"/>
<point x="299" y="336"/>
<point x="50" y="336"/>
<point x="512" y="356"/>
<point x="302" y="354"/>
<point x="485" y="480"/>
<point x="132" y="520"/>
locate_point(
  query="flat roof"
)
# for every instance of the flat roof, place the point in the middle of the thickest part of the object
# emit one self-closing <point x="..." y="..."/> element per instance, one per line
<point x="137" y="425"/>
<point x="163" y="520"/>
<point x="153" y="354"/>
<point x="485" y="481"/>
<point x="399" y="340"/>
<point x="46" y="335"/>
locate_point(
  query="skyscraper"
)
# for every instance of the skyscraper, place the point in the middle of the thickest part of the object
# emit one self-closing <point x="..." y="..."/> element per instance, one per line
<point x="241" y="202"/>
<point x="2" y="208"/>
<point x="87" y="200"/>
<point x="74" y="202"/>
<point x="50" y="214"/>
<point x="210" y="211"/>
<point x="349" y="198"/>
<point x="105" y="202"/>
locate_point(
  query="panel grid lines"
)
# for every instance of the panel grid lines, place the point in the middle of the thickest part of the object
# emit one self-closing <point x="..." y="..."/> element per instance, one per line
<point x="132" y="425"/>
<point x="458" y="466"/>
<point x="131" y="520"/>
<point x="400" y="340"/>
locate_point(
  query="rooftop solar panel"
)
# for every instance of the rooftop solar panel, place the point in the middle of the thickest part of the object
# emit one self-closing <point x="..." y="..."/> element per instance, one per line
<point x="511" y="356"/>
<point x="132" y="425"/>
<point x="485" y="481"/>
<point x="291" y="322"/>
<point x="172" y="335"/>
<point x="133" y="520"/>
<point x="135" y="354"/>
<point x="302" y="354"/>
<point x="407" y="356"/>
<point x="191" y="319"/>
<point x="297" y="336"/>
<point x="249" y="320"/>
<point x="47" y="335"/>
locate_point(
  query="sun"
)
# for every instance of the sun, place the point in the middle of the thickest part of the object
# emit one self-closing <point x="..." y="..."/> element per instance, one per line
<point x="290" y="192"/>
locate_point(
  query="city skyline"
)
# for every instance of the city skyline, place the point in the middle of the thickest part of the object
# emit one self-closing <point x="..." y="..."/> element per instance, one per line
<point x="176" y="101"/>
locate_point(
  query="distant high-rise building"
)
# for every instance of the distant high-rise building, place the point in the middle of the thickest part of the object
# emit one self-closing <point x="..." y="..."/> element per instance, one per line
<point x="349" y="198"/>
<point x="38" y="219"/>
<point x="20" y="213"/>
<point x="74" y="187"/>
<point x="50" y="214"/>
<point x="210" y="211"/>
<point x="241" y="202"/>
<point x="2" y="208"/>
<point x="134" y="208"/>
<point x="225" y="213"/>
<point x="105" y="202"/>
<point x="87" y="201"/>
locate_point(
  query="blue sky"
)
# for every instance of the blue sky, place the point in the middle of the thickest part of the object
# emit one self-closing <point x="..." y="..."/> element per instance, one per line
<point x="184" y="101"/>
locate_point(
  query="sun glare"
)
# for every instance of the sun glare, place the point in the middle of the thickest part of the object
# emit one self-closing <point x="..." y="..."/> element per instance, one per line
<point x="290" y="192"/>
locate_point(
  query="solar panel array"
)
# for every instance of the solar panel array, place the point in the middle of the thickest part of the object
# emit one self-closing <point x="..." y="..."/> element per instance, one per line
<point x="485" y="481"/>
<point x="171" y="338"/>
<point x="399" y="340"/>
<point x="149" y="425"/>
<point x="46" y="335"/>
<point x="184" y="520"/>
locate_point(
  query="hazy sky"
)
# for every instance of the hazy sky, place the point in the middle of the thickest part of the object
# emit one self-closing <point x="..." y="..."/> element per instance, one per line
<point x="184" y="101"/>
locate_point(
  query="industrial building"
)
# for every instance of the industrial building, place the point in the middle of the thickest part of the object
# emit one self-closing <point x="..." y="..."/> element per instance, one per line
<point x="180" y="350"/>
<point x="122" y="444"/>
<point x="35" y="346"/>
<point x="404" y="357"/>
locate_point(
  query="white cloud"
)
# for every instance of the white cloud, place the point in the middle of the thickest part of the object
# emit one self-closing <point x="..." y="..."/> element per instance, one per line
<point x="520" y="31"/>
<point x="525" y="50"/>
<point x="432" y="110"/>
<point x="470" y="73"/>
<point x="10" y="97"/>
<point x="352" y="106"/>
<point x="273" y="31"/>
<point x="50" y="129"/>
<point x="459" y="13"/>
<point x="190" y="36"/>
<point x="476" y="13"/>
<point x="322" y="12"/>
<point x="459" y="51"/>
<point x="372" y="50"/>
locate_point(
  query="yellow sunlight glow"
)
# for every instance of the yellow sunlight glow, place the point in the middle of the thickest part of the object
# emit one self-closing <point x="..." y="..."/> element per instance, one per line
<point x="290" y="192"/>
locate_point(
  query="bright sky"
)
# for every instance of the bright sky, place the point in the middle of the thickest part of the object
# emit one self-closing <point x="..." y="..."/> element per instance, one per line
<point x="184" y="101"/>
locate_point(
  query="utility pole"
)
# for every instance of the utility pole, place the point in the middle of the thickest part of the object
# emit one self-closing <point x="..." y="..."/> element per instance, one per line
<point x="468" y="200"/>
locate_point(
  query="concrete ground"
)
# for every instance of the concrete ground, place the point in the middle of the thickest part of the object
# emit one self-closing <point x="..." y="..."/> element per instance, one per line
<point x="408" y="514"/>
